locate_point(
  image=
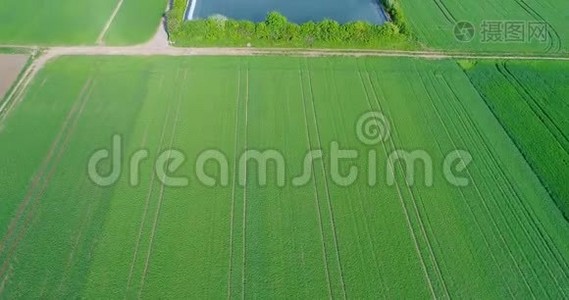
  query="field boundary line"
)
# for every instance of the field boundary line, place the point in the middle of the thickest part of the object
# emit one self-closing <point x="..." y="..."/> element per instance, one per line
<point x="540" y="229"/>
<point x="471" y="211"/>
<point x="103" y="34"/>
<point x="328" y="196"/>
<point x="161" y="194"/>
<point x="530" y="227"/>
<point x="509" y="193"/>
<point x="316" y="195"/>
<point x="234" y="188"/>
<point x="18" y="90"/>
<point x="493" y="219"/>
<point x="536" y="108"/>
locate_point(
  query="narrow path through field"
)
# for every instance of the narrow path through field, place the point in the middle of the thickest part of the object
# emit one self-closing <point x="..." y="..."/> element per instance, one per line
<point x="100" y="39"/>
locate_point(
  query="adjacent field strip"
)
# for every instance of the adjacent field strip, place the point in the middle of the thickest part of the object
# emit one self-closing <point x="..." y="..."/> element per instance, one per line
<point x="103" y="34"/>
<point x="153" y="49"/>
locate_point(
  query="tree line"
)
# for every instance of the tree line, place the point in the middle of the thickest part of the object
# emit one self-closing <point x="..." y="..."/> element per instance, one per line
<point x="276" y="30"/>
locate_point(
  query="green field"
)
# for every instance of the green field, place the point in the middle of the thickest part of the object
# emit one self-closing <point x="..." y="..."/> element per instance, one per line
<point x="501" y="236"/>
<point x="136" y="22"/>
<point x="69" y="22"/>
<point x="433" y="22"/>
<point x="529" y="99"/>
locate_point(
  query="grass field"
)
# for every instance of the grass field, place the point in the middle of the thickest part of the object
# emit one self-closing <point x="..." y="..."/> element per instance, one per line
<point x="529" y="99"/>
<point x="136" y="22"/>
<point x="501" y="236"/>
<point x="433" y="22"/>
<point x="68" y="22"/>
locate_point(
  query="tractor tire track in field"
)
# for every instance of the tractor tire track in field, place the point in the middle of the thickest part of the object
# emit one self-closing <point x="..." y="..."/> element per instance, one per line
<point x="412" y="193"/>
<point x="364" y="218"/>
<point x="315" y="186"/>
<point x="42" y="169"/>
<point x="48" y="167"/>
<point x="103" y="34"/>
<point x="488" y="211"/>
<point x="244" y="224"/>
<point x="538" y="110"/>
<point x="523" y="209"/>
<point x="20" y="88"/>
<point x="87" y="218"/>
<point x="447" y="131"/>
<point x="399" y="190"/>
<point x="400" y="196"/>
<point x="327" y="188"/>
<point x="146" y="202"/>
<point x="496" y="227"/>
<point x="234" y="187"/>
<point x="445" y="11"/>
<point x="161" y="194"/>
<point x="554" y="43"/>
<point x="503" y="193"/>
<point x="557" y="133"/>
<point x="464" y="200"/>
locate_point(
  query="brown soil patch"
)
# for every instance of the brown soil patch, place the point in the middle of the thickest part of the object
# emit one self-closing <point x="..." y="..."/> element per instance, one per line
<point x="10" y="67"/>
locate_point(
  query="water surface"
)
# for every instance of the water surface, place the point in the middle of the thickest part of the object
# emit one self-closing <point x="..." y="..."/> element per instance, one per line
<point x="298" y="11"/>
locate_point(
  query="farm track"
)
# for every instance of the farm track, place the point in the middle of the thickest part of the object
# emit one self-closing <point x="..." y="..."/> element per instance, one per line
<point x="103" y="34"/>
<point x="158" y="46"/>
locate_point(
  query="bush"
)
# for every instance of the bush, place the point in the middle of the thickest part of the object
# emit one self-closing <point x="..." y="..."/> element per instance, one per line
<point x="277" y="30"/>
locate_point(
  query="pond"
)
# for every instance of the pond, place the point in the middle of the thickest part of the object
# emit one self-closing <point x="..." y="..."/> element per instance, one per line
<point x="298" y="11"/>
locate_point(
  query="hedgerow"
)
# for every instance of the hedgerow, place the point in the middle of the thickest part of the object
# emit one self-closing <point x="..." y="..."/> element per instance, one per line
<point x="276" y="30"/>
